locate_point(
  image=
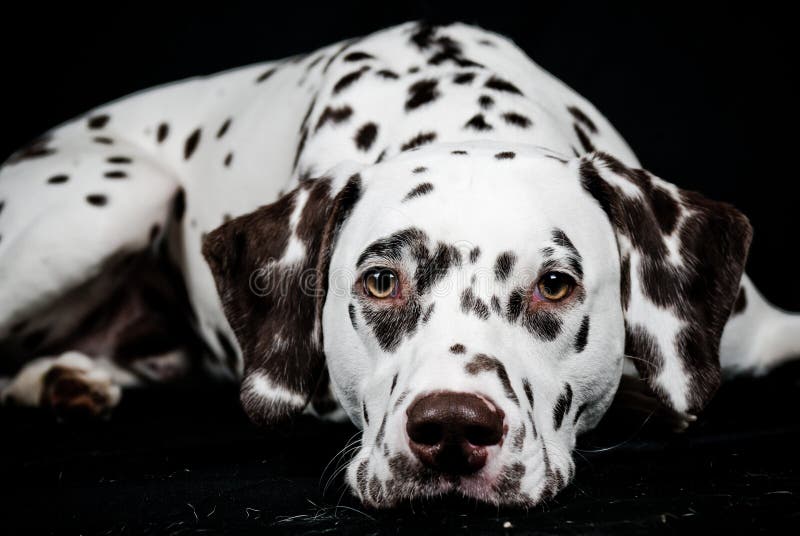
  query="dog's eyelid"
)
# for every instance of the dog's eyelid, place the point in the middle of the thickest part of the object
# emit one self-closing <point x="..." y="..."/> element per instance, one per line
<point x="558" y="265"/>
<point x="378" y="263"/>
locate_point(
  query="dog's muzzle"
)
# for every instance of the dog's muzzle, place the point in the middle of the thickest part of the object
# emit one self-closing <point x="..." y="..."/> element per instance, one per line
<point x="450" y="432"/>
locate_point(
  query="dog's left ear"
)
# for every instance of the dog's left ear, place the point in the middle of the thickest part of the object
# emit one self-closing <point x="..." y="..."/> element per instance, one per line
<point x="271" y="271"/>
<point x="682" y="259"/>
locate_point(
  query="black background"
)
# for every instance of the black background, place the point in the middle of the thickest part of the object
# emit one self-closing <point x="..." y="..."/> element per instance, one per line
<point x="706" y="96"/>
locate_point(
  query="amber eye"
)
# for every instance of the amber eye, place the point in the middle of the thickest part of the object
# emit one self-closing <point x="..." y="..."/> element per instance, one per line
<point x="555" y="286"/>
<point x="381" y="283"/>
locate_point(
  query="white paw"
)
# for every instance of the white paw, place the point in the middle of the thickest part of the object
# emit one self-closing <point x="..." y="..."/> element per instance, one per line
<point x="72" y="385"/>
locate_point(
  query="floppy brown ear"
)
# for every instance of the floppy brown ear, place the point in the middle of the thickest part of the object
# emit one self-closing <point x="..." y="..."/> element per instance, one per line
<point x="682" y="258"/>
<point x="270" y="268"/>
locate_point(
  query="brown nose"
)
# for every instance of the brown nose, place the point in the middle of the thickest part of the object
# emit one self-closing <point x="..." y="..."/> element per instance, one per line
<point x="449" y="432"/>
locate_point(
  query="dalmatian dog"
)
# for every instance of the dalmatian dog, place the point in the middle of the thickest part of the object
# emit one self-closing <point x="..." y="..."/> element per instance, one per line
<point x="419" y="230"/>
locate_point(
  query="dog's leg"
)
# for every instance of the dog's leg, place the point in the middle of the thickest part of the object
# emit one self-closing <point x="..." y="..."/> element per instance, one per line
<point x="84" y="304"/>
<point x="758" y="336"/>
<point x="72" y="385"/>
<point x="72" y="209"/>
<point x="139" y="334"/>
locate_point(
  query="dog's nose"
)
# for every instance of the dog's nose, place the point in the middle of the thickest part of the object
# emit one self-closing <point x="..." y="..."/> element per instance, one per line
<point x="449" y="432"/>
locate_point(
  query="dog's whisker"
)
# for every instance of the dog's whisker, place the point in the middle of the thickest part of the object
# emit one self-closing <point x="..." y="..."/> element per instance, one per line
<point x="349" y="444"/>
<point x="623" y="442"/>
<point x="339" y="470"/>
<point x="636" y="358"/>
<point x="341" y="467"/>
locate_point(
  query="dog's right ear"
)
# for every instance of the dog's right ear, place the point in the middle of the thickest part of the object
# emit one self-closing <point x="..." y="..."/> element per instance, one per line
<point x="682" y="258"/>
<point x="271" y="270"/>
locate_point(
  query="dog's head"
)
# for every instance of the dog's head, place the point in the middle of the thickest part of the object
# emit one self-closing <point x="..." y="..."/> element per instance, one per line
<point x="474" y="305"/>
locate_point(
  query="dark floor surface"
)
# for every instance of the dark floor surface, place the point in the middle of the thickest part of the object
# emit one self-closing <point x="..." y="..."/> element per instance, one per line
<point x="186" y="461"/>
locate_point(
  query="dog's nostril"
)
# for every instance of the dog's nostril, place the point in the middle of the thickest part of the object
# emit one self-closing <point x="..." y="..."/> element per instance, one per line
<point x="483" y="435"/>
<point x="426" y="433"/>
<point x="450" y="431"/>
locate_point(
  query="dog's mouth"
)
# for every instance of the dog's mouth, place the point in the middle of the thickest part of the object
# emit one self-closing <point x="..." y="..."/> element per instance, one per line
<point x="514" y="484"/>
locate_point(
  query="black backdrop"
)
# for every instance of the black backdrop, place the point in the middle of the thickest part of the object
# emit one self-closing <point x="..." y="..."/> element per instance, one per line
<point x="705" y="94"/>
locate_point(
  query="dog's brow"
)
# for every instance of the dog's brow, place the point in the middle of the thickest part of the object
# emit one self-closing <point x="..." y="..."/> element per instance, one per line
<point x="391" y="247"/>
<point x="574" y="258"/>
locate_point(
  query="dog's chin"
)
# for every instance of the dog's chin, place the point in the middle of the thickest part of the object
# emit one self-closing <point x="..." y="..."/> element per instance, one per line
<point x="413" y="484"/>
<point x="456" y="493"/>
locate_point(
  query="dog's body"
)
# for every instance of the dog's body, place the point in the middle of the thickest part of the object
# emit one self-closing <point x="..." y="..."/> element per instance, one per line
<point x="149" y="176"/>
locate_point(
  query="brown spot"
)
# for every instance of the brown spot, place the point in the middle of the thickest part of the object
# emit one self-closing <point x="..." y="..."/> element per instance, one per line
<point x="98" y="122"/>
<point x="358" y="56"/>
<point x="421" y="92"/>
<point x="97" y="200"/>
<point x="625" y="281"/>
<point x="741" y="302"/>
<point x="474" y="254"/>
<point x="333" y="115"/>
<point x="191" y="144"/>
<point x="504" y="264"/>
<point x="37" y="148"/>
<point x="526" y="386"/>
<point x="420" y="139"/>
<point x="582" y="337"/>
<point x="348" y="80"/>
<point x="586" y="143"/>
<point x="562" y="407"/>
<point x="495" y="303"/>
<point x="419" y="190"/>
<point x="477" y="122"/>
<point x="516" y="119"/>
<point x="498" y="84"/>
<point x="387" y="74"/>
<point x="463" y="78"/>
<point x="265" y="75"/>
<point x="224" y="128"/>
<point x="365" y="136"/>
<point x="484" y="363"/>
<point x="578" y="114"/>
<point x="162" y="132"/>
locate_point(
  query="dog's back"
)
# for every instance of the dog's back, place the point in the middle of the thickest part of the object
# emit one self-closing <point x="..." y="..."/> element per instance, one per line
<point x="173" y="163"/>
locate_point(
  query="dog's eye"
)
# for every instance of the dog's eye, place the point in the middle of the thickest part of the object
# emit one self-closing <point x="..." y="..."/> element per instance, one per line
<point x="555" y="286"/>
<point x="381" y="283"/>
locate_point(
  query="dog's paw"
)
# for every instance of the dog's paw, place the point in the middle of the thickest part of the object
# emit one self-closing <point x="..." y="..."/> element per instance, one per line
<point x="75" y="390"/>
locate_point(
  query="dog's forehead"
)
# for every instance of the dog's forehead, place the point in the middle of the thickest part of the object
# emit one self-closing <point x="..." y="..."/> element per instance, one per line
<point x="496" y="196"/>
